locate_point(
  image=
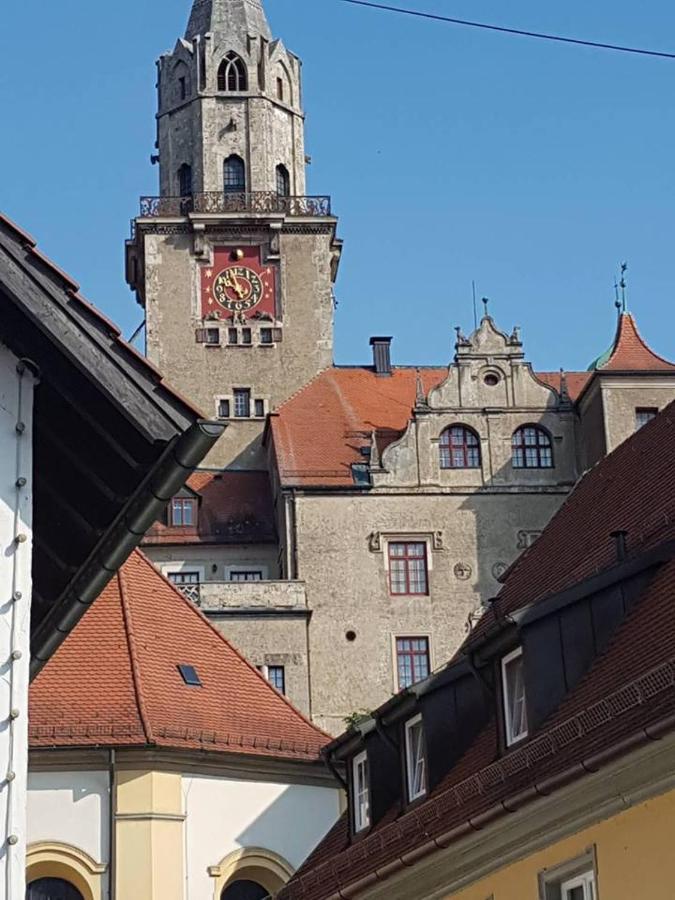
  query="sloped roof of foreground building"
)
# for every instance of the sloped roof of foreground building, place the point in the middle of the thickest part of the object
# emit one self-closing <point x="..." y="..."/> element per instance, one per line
<point x="115" y="681"/>
<point x="112" y="441"/>
<point x="610" y="617"/>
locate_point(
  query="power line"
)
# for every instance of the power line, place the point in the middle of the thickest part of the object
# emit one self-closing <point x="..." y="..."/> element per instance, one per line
<point x="598" y="45"/>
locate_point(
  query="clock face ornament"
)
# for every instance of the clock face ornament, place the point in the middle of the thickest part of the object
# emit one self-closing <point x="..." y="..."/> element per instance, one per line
<point x="238" y="283"/>
<point x="238" y="288"/>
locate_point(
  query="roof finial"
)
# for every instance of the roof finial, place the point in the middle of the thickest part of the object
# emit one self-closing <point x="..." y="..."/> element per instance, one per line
<point x="485" y="301"/>
<point x="420" y="396"/>
<point x="622" y="285"/>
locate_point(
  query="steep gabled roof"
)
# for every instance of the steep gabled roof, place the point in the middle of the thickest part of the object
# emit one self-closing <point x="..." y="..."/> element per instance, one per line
<point x="112" y="441"/>
<point x="234" y="507"/>
<point x="630" y="353"/>
<point x="115" y="681"/>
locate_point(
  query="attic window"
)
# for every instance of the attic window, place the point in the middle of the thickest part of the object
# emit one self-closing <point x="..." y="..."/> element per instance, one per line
<point x="183" y="513"/>
<point x="360" y="792"/>
<point x="644" y="414"/>
<point x="361" y="474"/>
<point x="513" y="690"/>
<point x="189" y="675"/>
<point x="415" y="762"/>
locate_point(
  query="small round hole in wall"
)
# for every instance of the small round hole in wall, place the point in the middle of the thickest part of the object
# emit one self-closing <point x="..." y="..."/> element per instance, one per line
<point x="491" y="379"/>
<point x="351" y="636"/>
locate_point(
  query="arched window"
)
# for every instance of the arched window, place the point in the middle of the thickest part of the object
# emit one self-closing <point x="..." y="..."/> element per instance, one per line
<point x="460" y="448"/>
<point x="532" y="448"/>
<point x="234" y="180"/>
<point x="232" y="74"/>
<point x="52" y="889"/>
<point x="283" y="182"/>
<point x="244" y="890"/>
<point x="185" y="181"/>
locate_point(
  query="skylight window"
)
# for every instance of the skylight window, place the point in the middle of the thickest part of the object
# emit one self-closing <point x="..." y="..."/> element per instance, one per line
<point x="189" y="675"/>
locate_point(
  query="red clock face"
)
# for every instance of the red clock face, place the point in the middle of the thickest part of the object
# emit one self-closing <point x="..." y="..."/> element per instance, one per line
<point x="238" y="283"/>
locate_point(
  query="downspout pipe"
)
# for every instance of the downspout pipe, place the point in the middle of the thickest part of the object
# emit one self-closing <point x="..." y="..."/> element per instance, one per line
<point x="112" y="823"/>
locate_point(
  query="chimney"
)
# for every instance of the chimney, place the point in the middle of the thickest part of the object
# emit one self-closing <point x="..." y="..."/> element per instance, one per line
<point x="381" y="355"/>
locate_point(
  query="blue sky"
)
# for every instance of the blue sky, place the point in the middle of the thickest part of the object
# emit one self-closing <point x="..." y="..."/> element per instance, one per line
<point x="451" y="155"/>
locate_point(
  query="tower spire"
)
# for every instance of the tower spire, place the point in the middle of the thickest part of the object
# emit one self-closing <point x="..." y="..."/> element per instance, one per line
<point x="228" y="17"/>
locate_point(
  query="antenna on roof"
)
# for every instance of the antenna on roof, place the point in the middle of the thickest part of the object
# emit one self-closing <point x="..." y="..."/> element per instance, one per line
<point x="485" y="301"/>
<point x="622" y="285"/>
<point x="475" y="311"/>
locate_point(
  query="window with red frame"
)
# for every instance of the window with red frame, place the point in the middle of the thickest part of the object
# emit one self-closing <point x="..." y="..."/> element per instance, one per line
<point x="532" y="448"/>
<point x="408" y="567"/>
<point x="412" y="660"/>
<point x="460" y="448"/>
<point x="183" y="513"/>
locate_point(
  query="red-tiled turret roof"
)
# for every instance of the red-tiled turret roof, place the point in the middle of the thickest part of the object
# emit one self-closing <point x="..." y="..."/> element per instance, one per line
<point x="631" y="353"/>
<point x="115" y="681"/>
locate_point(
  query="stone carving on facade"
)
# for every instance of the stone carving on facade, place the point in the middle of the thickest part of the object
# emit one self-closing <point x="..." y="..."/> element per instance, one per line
<point x="498" y="570"/>
<point x="463" y="571"/>
<point x="526" y="539"/>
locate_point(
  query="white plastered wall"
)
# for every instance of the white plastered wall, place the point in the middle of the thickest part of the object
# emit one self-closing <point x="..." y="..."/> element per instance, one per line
<point x="16" y="506"/>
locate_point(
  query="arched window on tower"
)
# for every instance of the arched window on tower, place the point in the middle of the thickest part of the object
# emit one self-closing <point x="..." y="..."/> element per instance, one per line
<point x="234" y="175"/>
<point x="460" y="448"/>
<point x="244" y="890"/>
<point x="185" y="181"/>
<point x="232" y="74"/>
<point x="52" y="889"/>
<point x="283" y="182"/>
<point x="532" y="448"/>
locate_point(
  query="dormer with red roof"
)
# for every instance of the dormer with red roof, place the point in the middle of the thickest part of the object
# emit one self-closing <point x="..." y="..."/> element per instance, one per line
<point x="628" y="385"/>
<point x="147" y="703"/>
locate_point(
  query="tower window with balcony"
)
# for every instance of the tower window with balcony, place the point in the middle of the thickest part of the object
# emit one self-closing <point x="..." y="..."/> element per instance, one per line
<point x="185" y="180"/>
<point x="234" y="175"/>
<point x="232" y="74"/>
<point x="183" y="513"/>
<point x="283" y="182"/>
<point x="460" y="448"/>
<point x="532" y="448"/>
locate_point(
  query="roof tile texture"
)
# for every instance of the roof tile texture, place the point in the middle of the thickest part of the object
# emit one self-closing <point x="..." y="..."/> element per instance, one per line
<point x="115" y="681"/>
<point x="631" y="353"/>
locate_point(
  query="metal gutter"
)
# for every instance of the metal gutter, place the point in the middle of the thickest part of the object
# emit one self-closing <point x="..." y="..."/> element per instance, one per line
<point x="178" y="460"/>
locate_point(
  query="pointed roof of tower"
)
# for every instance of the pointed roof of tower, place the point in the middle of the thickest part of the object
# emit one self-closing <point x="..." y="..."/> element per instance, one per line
<point x="225" y="17"/>
<point x="630" y="353"/>
<point x="116" y="682"/>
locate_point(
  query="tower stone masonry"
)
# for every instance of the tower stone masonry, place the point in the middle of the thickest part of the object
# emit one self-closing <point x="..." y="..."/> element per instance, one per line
<point x="232" y="262"/>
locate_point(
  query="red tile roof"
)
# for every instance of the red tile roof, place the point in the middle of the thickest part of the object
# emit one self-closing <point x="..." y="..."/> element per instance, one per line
<point x="234" y="507"/>
<point x="115" y="682"/>
<point x="627" y="697"/>
<point x="631" y="353"/>
<point x="575" y="382"/>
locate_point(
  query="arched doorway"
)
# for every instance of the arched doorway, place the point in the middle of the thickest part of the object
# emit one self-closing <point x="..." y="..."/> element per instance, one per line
<point x="244" y="890"/>
<point x="52" y="889"/>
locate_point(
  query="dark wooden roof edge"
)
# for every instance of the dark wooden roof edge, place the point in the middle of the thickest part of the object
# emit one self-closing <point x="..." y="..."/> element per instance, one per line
<point x="168" y="475"/>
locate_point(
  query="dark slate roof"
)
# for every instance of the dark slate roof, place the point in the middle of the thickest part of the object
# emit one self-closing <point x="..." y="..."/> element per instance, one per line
<point x="112" y="442"/>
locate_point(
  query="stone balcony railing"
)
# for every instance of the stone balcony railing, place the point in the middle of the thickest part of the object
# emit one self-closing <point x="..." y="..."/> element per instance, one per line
<point x="215" y="596"/>
<point x="215" y="202"/>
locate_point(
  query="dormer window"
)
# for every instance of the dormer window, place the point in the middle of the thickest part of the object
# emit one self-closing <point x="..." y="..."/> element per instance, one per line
<point x="532" y="448"/>
<point x="360" y="792"/>
<point x="183" y="512"/>
<point x="514" y="700"/>
<point x="460" y="448"/>
<point x="232" y="74"/>
<point x="415" y="762"/>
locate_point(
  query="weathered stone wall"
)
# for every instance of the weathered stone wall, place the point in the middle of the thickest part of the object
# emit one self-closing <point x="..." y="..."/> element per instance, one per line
<point x="342" y="557"/>
<point x="621" y="397"/>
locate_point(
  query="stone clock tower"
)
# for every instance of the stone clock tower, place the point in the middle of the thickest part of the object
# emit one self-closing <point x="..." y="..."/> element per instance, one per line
<point x="233" y="262"/>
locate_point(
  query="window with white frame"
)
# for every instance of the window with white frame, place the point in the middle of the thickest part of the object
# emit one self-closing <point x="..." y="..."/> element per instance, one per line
<point x="415" y="762"/>
<point x="574" y="879"/>
<point x="360" y="792"/>
<point x="514" y="700"/>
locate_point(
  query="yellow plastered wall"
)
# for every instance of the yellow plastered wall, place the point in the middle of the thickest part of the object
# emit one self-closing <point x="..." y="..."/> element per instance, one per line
<point x="635" y="858"/>
<point x="149" y="825"/>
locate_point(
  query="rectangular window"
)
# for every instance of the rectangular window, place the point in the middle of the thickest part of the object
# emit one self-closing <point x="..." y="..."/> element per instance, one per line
<point x="260" y="409"/>
<point x="582" y="887"/>
<point x="253" y="575"/>
<point x="575" y="879"/>
<point x="360" y="792"/>
<point x="265" y="335"/>
<point x="182" y="513"/>
<point x="415" y="760"/>
<point x="644" y="414"/>
<point x="246" y="337"/>
<point x="232" y="336"/>
<point x="224" y="409"/>
<point x="408" y="568"/>
<point x="280" y="88"/>
<point x="513" y="688"/>
<point x="183" y="88"/>
<point x="212" y="335"/>
<point x="242" y="403"/>
<point x="276" y="675"/>
<point x="412" y="660"/>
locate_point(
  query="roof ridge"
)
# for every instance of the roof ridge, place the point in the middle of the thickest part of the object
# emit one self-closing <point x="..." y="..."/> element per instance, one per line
<point x="304" y="387"/>
<point x="203" y="619"/>
<point x="135" y="665"/>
